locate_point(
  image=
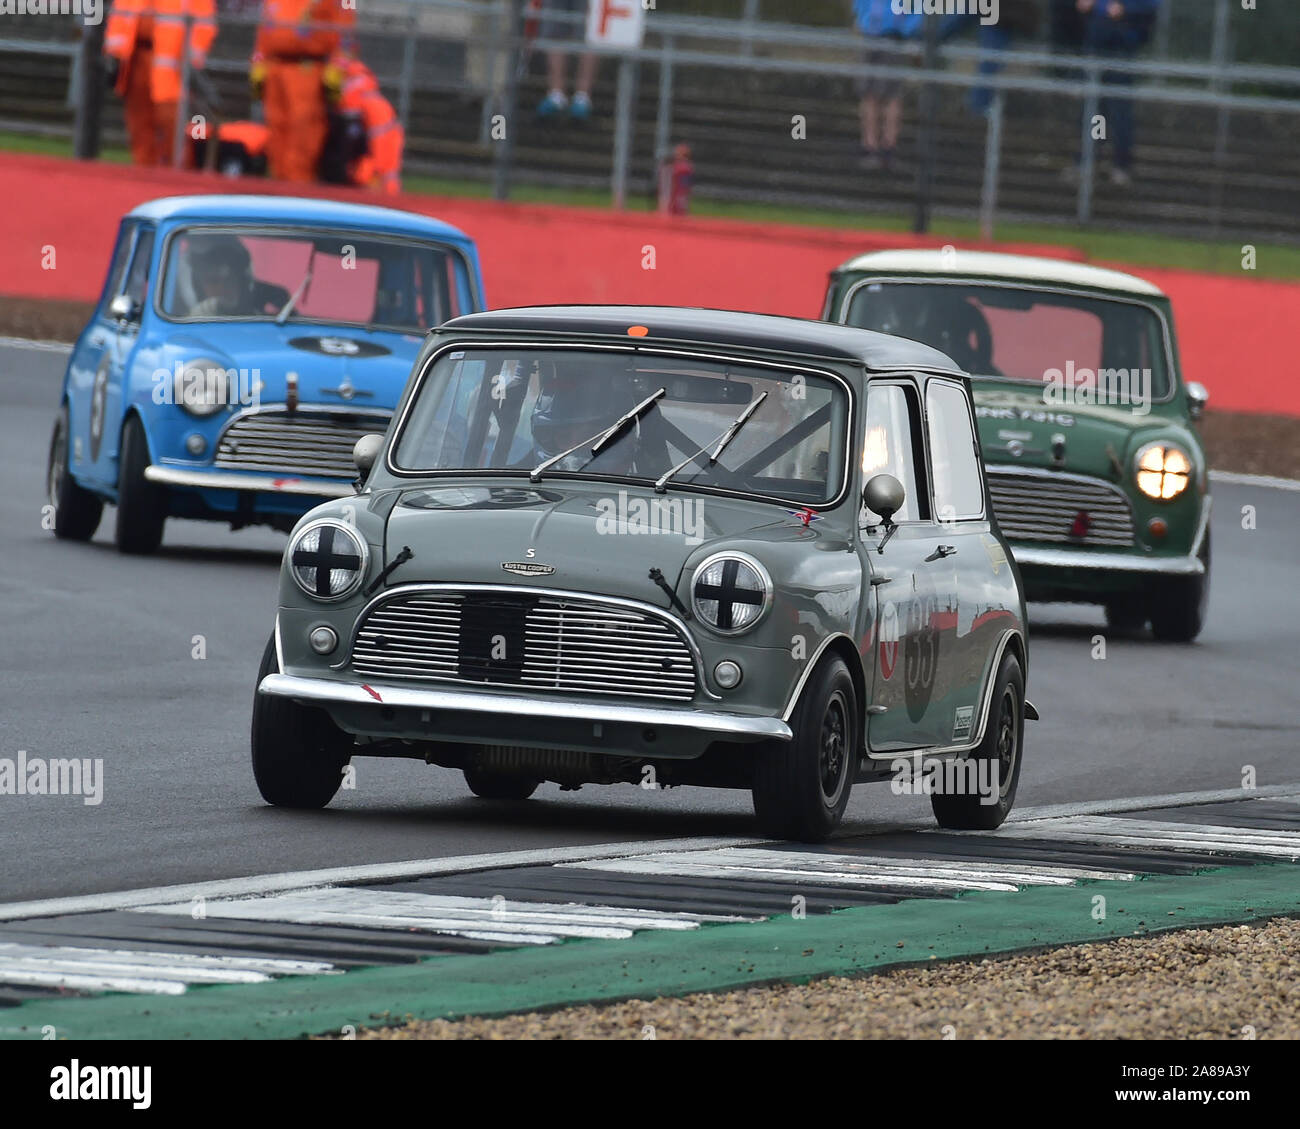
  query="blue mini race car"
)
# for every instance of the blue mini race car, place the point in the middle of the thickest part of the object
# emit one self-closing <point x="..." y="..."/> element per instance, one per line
<point x="241" y="346"/>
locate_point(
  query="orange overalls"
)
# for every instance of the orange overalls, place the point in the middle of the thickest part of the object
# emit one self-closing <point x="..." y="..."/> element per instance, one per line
<point x="147" y="38"/>
<point x="382" y="165"/>
<point x="294" y="42"/>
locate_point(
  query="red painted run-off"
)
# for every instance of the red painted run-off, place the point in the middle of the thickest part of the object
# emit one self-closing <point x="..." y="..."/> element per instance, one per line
<point x="1234" y="332"/>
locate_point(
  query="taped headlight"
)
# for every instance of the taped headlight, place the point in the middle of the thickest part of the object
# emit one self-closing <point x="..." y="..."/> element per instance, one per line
<point x="328" y="560"/>
<point x="202" y="387"/>
<point x="731" y="592"/>
<point x="1163" y="471"/>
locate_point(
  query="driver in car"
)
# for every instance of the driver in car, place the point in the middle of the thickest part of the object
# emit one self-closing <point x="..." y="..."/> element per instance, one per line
<point x="577" y="400"/>
<point x="222" y="276"/>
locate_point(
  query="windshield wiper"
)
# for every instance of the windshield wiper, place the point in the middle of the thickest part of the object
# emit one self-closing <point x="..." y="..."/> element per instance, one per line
<point x="721" y="441"/>
<point x="294" y="298"/>
<point x="601" y="439"/>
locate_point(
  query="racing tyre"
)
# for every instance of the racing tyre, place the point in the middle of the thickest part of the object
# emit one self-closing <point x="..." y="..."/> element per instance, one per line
<point x="76" y="511"/>
<point x="1003" y="742"/>
<point x="141" y="506"/>
<point x="801" y="787"/>
<point x="1126" y="613"/>
<point x="499" y="785"/>
<point x="298" y="753"/>
<point x="1178" y="613"/>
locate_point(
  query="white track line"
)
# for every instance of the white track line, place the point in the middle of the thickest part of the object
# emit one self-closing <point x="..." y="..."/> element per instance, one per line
<point x="1141" y="803"/>
<point x="874" y="871"/>
<point x="483" y="918"/>
<point x="1148" y="833"/>
<point x="35" y="346"/>
<point x="375" y="872"/>
<point x="1266" y="481"/>
<point x="463" y="864"/>
<point x="126" y="970"/>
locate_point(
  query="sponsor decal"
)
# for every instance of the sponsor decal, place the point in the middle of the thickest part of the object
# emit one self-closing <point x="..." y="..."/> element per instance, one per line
<point x="961" y="724"/>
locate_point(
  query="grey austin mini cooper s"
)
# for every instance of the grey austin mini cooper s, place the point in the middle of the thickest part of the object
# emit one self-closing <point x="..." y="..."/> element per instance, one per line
<point x="661" y="546"/>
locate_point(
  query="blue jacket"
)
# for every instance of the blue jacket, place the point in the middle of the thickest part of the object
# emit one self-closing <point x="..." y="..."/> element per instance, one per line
<point x="877" y="17"/>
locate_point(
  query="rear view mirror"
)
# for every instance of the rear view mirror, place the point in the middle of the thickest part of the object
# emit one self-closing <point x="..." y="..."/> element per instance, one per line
<point x="884" y="495"/>
<point x="123" y="308"/>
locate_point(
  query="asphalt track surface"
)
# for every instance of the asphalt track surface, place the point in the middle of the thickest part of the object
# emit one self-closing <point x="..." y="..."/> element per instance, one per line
<point x="96" y="662"/>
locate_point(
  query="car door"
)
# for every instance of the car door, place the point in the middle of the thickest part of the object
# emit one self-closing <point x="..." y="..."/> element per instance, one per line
<point x="106" y="401"/>
<point x="91" y="360"/>
<point x="907" y="579"/>
<point x="962" y="570"/>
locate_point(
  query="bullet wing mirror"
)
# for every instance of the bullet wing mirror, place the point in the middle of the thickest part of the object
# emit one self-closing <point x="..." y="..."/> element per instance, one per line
<point x="364" y="455"/>
<point x="122" y="309"/>
<point x="1197" y="397"/>
<point x="884" y="496"/>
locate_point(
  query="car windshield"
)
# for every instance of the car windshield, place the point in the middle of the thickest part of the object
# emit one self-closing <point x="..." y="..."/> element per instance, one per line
<point x="1023" y="334"/>
<point x="513" y="409"/>
<point x="232" y="274"/>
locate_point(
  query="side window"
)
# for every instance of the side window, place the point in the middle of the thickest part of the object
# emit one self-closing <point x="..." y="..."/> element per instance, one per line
<point x="892" y="445"/>
<point x="958" y="487"/>
<point x="137" y="280"/>
<point x="121" y="253"/>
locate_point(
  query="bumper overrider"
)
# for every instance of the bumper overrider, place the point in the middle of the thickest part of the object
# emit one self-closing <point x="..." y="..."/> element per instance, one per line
<point x="381" y="710"/>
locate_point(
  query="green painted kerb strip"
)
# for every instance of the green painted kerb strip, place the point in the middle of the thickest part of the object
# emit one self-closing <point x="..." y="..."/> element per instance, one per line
<point x="655" y="963"/>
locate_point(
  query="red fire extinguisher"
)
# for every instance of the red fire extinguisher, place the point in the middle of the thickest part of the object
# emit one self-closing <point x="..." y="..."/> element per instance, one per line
<point x="675" y="176"/>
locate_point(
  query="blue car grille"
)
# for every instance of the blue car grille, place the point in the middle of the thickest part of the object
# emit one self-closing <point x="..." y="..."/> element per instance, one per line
<point x="526" y="641"/>
<point x="302" y="442"/>
<point x="1043" y="507"/>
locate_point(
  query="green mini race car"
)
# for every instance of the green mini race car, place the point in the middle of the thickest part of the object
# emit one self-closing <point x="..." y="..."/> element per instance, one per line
<point x="660" y="546"/>
<point x="1096" y="472"/>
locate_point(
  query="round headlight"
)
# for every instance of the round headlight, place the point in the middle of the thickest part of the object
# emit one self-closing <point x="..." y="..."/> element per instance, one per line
<point x="731" y="592"/>
<point x="201" y="387"/>
<point x="1163" y="471"/>
<point x="328" y="560"/>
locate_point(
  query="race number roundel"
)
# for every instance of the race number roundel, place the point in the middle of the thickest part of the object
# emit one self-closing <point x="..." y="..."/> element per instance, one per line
<point x="98" y="401"/>
<point x="888" y="640"/>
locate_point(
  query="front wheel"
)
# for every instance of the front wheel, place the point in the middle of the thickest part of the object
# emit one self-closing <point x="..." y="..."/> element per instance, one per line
<point x="76" y="511"/>
<point x="996" y="760"/>
<point x="299" y="754"/>
<point x="141" y="506"/>
<point x="801" y="787"/>
<point x="1178" y="612"/>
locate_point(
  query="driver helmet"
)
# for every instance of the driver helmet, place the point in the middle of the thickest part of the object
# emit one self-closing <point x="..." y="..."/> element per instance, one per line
<point x="578" y="397"/>
<point x="221" y="273"/>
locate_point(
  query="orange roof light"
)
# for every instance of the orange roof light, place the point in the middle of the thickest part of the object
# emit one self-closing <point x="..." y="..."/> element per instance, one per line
<point x="637" y="331"/>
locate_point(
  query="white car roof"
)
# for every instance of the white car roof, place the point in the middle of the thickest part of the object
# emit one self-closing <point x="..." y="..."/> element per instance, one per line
<point x="988" y="264"/>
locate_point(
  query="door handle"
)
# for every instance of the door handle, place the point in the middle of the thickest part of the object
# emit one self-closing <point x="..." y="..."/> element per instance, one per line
<point x="942" y="551"/>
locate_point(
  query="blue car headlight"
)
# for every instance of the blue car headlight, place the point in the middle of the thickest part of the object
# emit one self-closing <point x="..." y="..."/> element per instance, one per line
<point x="202" y="387"/>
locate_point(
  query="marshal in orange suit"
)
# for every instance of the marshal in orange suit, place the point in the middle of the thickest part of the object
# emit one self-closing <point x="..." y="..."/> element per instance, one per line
<point x="381" y="166"/>
<point x="290" y="73"/>
<point x="144" y="44"/>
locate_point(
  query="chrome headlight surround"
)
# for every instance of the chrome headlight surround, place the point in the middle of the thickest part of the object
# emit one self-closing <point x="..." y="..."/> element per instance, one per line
<point x="201" y="386"/>
<point x="306" y="572"/>
<point x="1163" y="470"/>
<point x="709" y="574"/>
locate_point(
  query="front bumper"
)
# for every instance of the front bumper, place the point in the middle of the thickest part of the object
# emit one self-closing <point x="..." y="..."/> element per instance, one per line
<point x="1041" y="557"/>
<point x="256" y="483"/>
<point x="384" y="710"/>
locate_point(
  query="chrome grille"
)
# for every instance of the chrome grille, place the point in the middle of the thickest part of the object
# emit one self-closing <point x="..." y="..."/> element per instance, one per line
<point x="1043" y="506"/>
<point x="503" y="638"/>
<point x="305" y="442"/>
